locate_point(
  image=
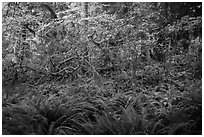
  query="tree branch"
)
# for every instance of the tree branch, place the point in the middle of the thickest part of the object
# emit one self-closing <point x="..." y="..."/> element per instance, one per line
<point x="53" y="14"/>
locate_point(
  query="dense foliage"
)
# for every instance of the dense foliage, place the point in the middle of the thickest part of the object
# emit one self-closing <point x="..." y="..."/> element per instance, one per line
<point x="101" y="68"/>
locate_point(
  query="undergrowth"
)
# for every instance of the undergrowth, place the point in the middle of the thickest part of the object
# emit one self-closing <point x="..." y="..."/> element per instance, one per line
<point x="52" y="109"/>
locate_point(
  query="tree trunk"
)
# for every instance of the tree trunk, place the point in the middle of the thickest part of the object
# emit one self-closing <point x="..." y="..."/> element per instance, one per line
<point x="85" y="13"/>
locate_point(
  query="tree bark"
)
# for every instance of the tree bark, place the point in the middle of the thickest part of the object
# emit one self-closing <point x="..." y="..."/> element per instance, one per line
<point x="85" y="13"/>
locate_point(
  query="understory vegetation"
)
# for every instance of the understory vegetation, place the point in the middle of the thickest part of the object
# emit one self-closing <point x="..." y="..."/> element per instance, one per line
<point x="101" y="68"/>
